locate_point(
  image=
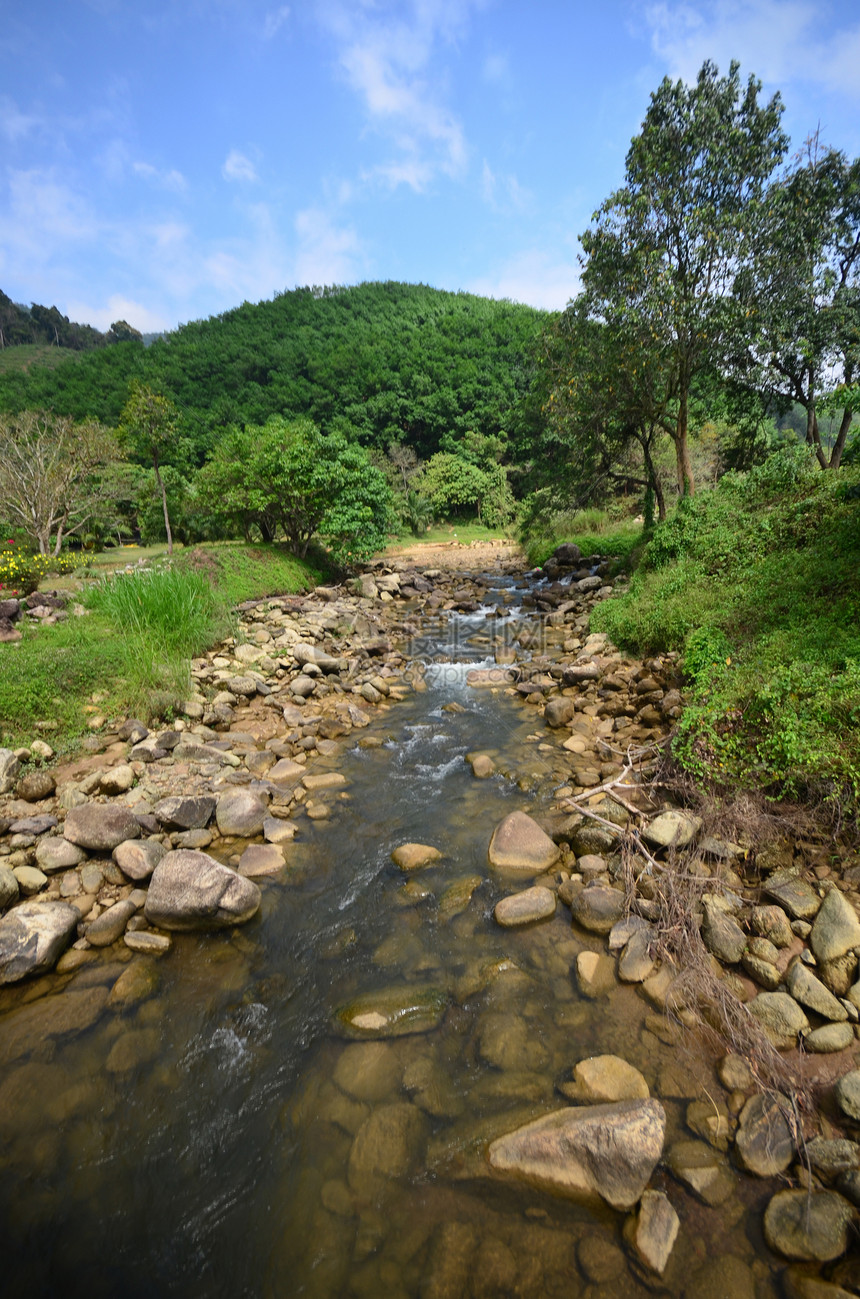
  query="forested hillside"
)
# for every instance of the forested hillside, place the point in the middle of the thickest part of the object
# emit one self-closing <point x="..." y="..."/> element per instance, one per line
<point x="380" y="363"/>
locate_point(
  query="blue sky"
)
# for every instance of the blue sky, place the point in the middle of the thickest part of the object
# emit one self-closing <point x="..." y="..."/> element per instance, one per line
<point x="164" y="160"/>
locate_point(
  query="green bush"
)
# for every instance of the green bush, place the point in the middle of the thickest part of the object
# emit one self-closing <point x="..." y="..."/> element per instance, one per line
<point x="756" y="584"/>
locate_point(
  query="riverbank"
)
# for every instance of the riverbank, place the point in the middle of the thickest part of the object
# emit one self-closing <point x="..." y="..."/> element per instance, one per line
<point x="263" y="761"/>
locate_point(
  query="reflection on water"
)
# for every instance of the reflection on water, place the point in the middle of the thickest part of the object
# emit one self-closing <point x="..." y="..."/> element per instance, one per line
<point x="219" y="1134"/>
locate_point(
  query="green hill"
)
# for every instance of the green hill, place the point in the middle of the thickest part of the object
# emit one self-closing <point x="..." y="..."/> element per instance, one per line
<point x="380" y="362"/>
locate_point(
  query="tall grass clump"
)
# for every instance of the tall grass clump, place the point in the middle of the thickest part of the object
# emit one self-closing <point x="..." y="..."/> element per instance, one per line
<point x="175" y="610"/>
<point x="756" y="583"/>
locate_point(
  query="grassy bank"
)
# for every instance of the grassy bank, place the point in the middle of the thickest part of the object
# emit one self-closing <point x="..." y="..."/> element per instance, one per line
<point x="596" y="532"/>
<point x="757" y="583"/>
<point x="131" y="653"/>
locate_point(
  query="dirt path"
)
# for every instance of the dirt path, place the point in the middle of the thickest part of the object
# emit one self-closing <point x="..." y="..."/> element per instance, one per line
<point x="455" y="554"/>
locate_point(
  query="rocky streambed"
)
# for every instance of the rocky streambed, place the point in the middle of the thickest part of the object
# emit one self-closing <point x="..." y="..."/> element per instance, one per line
<point x="362" y="978"/>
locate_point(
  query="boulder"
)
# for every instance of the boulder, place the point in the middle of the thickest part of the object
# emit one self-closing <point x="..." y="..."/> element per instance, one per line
<point x="809" y="1225"/>
<point x="138" y="858"/>
<point x="672" y="828"/>
<point x="811" y="992"/>
<point x="117" y="780"/>
<point x="240" y="813"/>
<point x="100" y="827"/>
<point x="185" y="813"/>
<point x="8" y="888"/>
<point x="603" y="1079"/>
<point x="520" y="847"/>
<point x="190" y="890"/>
<point x="722" y="935"/>
<point x="412" y="856"/>
<point x="829" y="1038"/>
<point x="260" y="859"/>
<point x="9" y="769"/>
<point x="36" y="785"/>
<point x="780" y="1016"/>
<point x="836" y="929"/>
<point x="393" y="1012"/>
<point x="795" y="896"/>
<point x="110" y="925"/>
<point x="848" y="1094"/>
<point x="388" y="1145"/>
<point x="525" y="908"/>
<point x="652" y="1232"/>
<point x="597" y="908"/>
<point x="704" y="1170"/>
<point x="57" y="854"/>
<point x="33" y="937"/>
<point x="595" y="974"/>
<point x="559" y="711"/>
<point x="605" y="1150"/>
<point x="764" y="1141"/>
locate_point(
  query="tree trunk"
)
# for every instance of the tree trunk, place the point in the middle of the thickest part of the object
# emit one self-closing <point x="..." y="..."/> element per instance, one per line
<point x="841" y="438"/>
<point x="158" y="479"/>
<point x="653" y="477"/>
<point x="686" y="485"/>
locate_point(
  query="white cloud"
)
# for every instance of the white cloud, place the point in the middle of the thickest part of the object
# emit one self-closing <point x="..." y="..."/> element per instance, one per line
<point x="389" y="55"/>
<point x="274" y="21"/>
<point x="14" y="124"/>
<point x="532" y="277"/>
<point x="239" y="167"/>
<point x="326" y="254"/>
<point x="40" y="212"/>
<point x="172" y="180"/>
<point x="503" y="193"/>
<point x="117" y="308"/>
<point x="780" y="41"/>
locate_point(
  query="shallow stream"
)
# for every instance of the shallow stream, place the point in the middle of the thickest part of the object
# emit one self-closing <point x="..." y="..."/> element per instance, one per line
<point x="247" y="1147"/>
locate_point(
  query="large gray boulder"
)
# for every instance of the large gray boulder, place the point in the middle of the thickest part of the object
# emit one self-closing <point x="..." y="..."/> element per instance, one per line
<point x="836" y="929"/>
<point x="241" y="813"/>
<point x="605" y="1150"/>
<point x="100" y="827"/>
<point x="185" y="813"/>
<point x="520" y="847"/>
<point x="191" y="890"/>
<point x="33" y="937"/>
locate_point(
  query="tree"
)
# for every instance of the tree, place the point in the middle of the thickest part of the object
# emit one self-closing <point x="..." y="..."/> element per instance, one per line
<point x="665" y="250"/>
<point x="288" y="478"/>
<point x="50" y="474"/>
<point x="608" y="398"/>
<point x="149" y="424"/>
<point x="803" y="295"/>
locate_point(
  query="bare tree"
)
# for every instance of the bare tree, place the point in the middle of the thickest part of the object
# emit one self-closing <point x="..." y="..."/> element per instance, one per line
<point x="49" y="473"/>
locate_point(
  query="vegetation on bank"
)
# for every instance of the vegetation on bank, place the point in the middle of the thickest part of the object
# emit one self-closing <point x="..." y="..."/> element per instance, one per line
<point x="756" y="583"/>
<point x="130" y="654"/>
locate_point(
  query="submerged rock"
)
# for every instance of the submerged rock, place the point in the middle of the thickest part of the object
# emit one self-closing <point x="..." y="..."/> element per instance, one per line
<point x="605" y="1150"/>
<point x="412" y="856"/>
<point x="604" y="1079"/>
<point x="653" y="1231"/>
<point x="525" y="908"/>
<point x="190" y="890"/>
<point x="393" y="1012"/>
<point x="807" y="1224"/>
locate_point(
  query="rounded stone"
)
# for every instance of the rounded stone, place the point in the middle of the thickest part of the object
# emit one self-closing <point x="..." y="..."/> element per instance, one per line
<point x="412" y="856"/>
<point x="519" y="846"/>
<point x="190" y="890"/>
<point x="810" y="1225"/>
<point x="764" y="1141"/>
<point x="848" y="1094"/>
<point x="138" y="858"/>
<point x="606" y="1078"/>
<point x="100" y="827"/>
<point x="240" y="813"/>
<point x="597" y="908"/>
<point x="525" y="908"/>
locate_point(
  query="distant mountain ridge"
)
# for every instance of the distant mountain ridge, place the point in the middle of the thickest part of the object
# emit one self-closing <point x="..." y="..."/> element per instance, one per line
<point x="21" y="325"/>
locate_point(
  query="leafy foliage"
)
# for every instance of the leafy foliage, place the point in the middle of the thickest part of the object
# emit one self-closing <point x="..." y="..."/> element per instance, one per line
<point x="756" y="583"/>
<point x="287" y="478"/>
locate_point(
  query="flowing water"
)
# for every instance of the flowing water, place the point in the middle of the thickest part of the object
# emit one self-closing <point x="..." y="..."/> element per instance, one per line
<point x="238" y="1143"/>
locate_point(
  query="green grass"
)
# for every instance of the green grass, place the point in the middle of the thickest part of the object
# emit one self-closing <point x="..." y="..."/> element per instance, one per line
<point x="757" y="584"/>
<point x="448" y="532"/>
<point x="131" y="653"/>
<point x="596" y="532"/>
